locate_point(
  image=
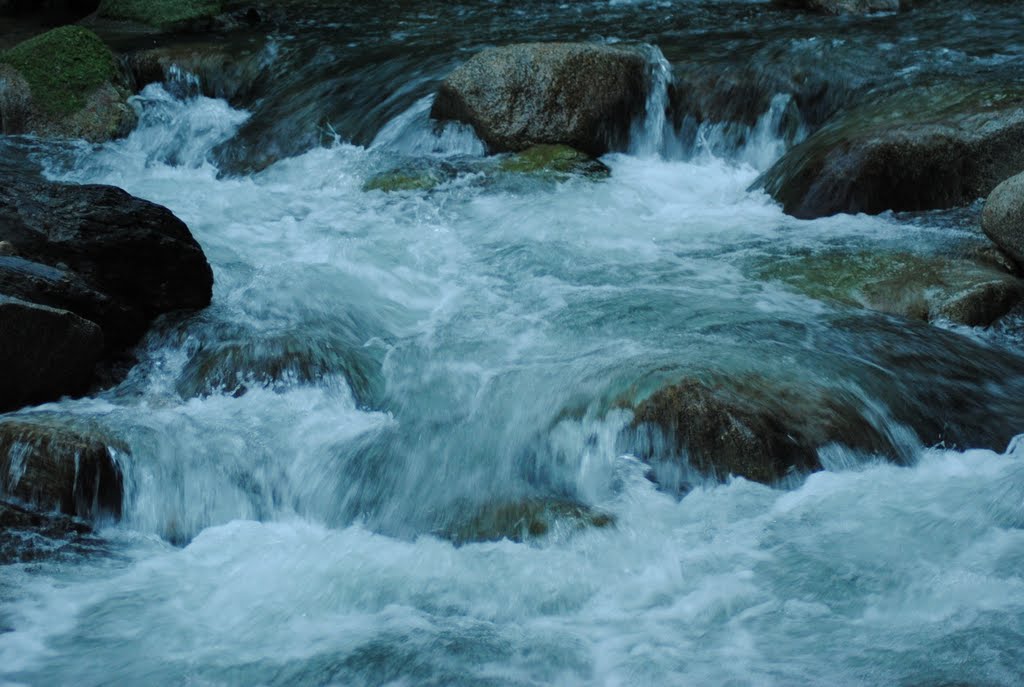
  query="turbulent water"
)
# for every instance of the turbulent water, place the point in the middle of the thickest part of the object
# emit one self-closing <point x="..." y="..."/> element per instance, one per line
<point x="374" y="364"/>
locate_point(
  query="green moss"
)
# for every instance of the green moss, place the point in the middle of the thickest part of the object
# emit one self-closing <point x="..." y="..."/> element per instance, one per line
<point x="62" y="67"/>
<point x="159" y="13"/>
<point x="403" y="181"/>
<point x="554" y="160"/>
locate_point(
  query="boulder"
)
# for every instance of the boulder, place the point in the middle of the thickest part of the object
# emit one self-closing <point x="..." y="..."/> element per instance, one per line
<point x="54" y="465"/>
<point x="1002" y="220"/>
<point x="923" y="149"/>
<point x="577" y="94"/>
<point x="845" y="6"/>
<point x="46" y="353"/>
<point x="114" y="257"/>
<point x="750" y="427"/>
<point x="64" y="83"/>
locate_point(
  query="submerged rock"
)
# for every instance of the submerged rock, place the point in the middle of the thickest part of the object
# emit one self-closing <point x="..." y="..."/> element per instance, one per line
<point x="63" y="83"/>
<point x="913" y="286"/>
<point x="56" y="466"/>
<point x="845" y="6"/>
<point x="918" y="150"/>
<point x="520" y="521"/>
<point x="1003" y="218"/>
<point x="554" y="161"/>
<point x="750" y="427"/>
<point x="578" y="94"/>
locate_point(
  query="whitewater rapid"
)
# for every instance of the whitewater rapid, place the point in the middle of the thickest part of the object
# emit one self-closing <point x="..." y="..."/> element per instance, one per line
<point x="472" y="340"/>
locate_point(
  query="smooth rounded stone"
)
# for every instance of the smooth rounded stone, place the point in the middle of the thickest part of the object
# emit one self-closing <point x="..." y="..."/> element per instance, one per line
<point x="578" y="94"/>
<point x="845" y="6"/>
<point x="921" y="149"/>
<point x="748" y="426"/>
<point x="523" y="520"/>
<point x="409" y="179"/>
<point x="64" y="83"/>
<point x="53" y="464"/>
<point x="135" y="252"/>
<point x="47" y="353"/>
<point x="1002" y="220"/>
<point x="919" y="287"/>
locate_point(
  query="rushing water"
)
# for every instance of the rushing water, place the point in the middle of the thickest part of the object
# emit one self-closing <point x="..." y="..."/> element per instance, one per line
<point x="376" y="364"/>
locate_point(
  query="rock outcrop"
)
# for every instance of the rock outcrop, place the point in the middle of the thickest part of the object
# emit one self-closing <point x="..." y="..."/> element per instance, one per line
<point x="577" y="94"/>
<point x="1003" y="218"/>
<point x="919" y="150"/>
<point x="64" y="83"/>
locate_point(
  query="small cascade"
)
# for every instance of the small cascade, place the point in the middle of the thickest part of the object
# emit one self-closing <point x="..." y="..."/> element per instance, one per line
<point x="414" y="133"/>
<point x="654" y="134"/>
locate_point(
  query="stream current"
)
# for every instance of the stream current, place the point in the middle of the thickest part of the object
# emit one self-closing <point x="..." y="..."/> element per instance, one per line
<point x="374" y="364"/>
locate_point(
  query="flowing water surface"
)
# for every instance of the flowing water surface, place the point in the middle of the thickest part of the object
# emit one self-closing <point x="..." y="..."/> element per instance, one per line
<point x="374" y="365"/>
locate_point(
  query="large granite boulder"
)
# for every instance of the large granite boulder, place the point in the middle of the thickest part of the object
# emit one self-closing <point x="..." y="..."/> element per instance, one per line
<point x="64" y="83"/>
<point x="578" y="94"/>
<point x="1003" y="218"/>
<point x="923" y="149"/>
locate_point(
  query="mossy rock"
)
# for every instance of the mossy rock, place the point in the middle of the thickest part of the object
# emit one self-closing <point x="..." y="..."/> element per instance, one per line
<point x="748" y="425"/>
<point x="523" y="520"/>
<point x="918" y="287"/>
<point x="163" y="14"/>
<point x="398" y="180"/>
<point x="558" y="161"/>
<point x="63" y="67"/>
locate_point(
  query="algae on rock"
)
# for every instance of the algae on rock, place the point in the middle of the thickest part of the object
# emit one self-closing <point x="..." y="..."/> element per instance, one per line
<point x="160" y="13"/>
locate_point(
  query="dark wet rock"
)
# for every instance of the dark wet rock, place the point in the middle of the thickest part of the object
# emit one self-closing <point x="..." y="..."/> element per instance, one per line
<point x="846" y="6"/>
<point x="275" y="362"/>
<point x="136" y="253"/>
<point x="554" y="161"/>
<point x="27" y="536"/>
<point x="523" y="520"/>
<point x="409" y="178"/>
<point x="582" y="95"/>
<point x="918" y="150"/>
<point x="47" y="353"/>
<point x="919" y="287"/>
<point x="64" y="83"/>
<point x="751" y="427"/>
<point x="228" y="69"/>
<point x="54" y="465"/>
<point x="1002" y="220"/>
